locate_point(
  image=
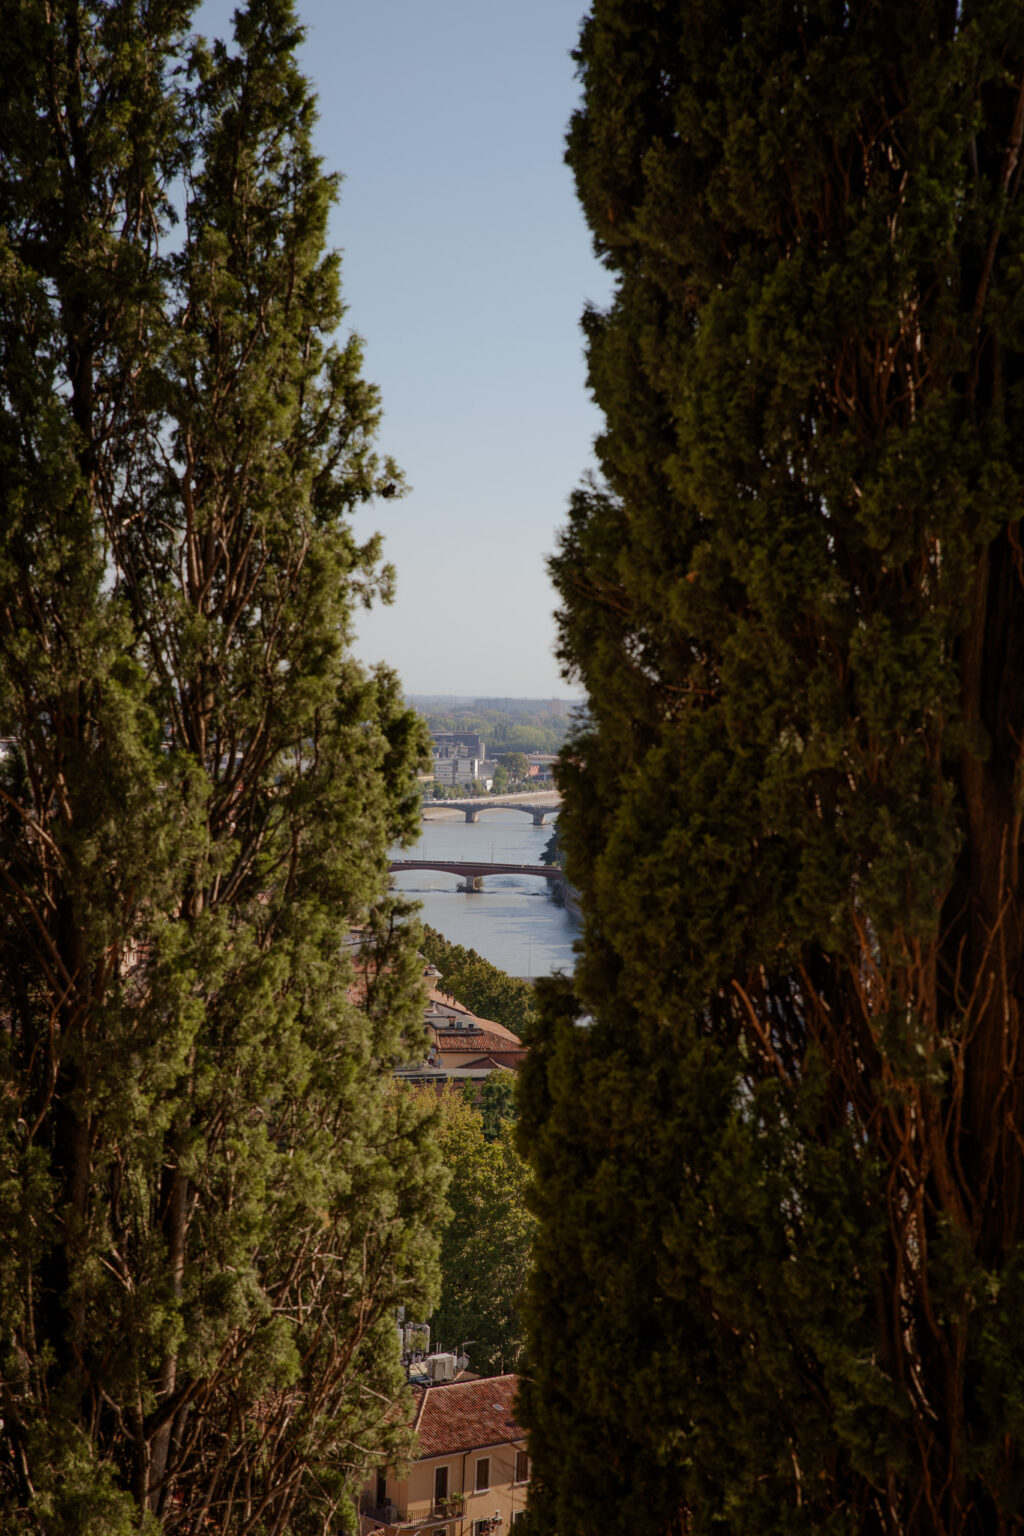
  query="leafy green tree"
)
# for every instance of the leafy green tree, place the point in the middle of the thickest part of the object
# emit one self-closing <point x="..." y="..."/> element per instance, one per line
<point x="485" y="1249"/>
<point x="211" y="1196"/>
<point x="449" y="791"/>
<point x="517" y="769"/>
<point x="483" y="988"/>
<point x="775" y="1123"/>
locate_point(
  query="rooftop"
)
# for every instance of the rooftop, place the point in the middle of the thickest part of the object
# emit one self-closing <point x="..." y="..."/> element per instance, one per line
<point x="479" y="1040"/>
<point x="445" y="1005"/>
<point x="464" y="1415"/>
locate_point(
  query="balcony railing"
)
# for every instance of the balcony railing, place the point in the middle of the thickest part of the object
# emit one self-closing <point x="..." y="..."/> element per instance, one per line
<point x="389" y="1516"/>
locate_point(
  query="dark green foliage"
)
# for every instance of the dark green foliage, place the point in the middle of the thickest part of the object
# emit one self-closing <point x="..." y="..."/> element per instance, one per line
<point x="775" y="1123"/>
<point x="552" y="853"/>
<point x="211" y="1197"/>
<point x="496" y="1100"/>
<point x="485" y="1249"/>
<point x="481" y="987"/>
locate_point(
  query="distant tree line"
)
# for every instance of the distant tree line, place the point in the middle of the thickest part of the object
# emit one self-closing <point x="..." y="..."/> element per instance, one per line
<point x="504" y="732"/>
<point x="465" y="791"/>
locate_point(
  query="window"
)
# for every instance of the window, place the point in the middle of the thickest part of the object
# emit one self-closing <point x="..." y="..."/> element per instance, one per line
<point x="483" y="1474"/>
<point x="520" y="1514"/>
<point x="522" y="1467"/>
<point x="481" y="1528"/>
<point x="440" y="1484"/>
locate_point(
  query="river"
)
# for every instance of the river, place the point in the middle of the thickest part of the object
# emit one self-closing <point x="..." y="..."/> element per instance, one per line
<point x="512" y="921"/>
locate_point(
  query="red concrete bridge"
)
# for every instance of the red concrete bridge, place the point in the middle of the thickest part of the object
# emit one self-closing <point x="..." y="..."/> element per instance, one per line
<point x="474" y="870"/>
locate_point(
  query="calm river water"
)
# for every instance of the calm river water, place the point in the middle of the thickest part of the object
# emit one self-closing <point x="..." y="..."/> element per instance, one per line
<point x="512" y="922"/>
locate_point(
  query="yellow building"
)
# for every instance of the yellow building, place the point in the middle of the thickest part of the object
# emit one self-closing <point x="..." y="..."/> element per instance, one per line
<point x="473" y="1472"/>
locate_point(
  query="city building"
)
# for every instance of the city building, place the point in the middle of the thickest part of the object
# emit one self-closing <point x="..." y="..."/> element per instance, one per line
<point x="473" y="1471"/>
<point x="462" y="770"/>
<point x="458" y="1046"/>
<point x="458" y="744"/>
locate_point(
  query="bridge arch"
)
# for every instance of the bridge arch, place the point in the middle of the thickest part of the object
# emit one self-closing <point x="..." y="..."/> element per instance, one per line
<point x="539" y="813"/>
<point x="537" y="804"/>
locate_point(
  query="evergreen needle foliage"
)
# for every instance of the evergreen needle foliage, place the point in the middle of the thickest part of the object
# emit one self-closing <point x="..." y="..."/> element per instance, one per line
<point x="496" y="1100"/>
<point x="211" y="1197"/>
<point x="776" y="1123"/>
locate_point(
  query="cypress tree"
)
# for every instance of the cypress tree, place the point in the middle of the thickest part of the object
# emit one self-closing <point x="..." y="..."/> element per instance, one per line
<point x="776" y="1119"/>
<point x="211" y="1198"/>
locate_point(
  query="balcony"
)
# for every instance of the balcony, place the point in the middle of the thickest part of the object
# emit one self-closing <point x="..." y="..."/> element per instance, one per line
<point x="392" y="1522"/>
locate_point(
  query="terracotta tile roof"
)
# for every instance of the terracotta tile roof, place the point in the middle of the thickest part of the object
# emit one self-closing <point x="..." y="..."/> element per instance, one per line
<point x="463" y="1415"/>
<point x="445" y="1002"/>
<point x="486" y="1061"/>
<point x="477" y="1040"/>
<point x="499" y="1029"/>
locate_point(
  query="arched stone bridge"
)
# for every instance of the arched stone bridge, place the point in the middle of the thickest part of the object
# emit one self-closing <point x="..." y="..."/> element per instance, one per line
<point x="537" y="803"/>
<point x="472" y="872"/>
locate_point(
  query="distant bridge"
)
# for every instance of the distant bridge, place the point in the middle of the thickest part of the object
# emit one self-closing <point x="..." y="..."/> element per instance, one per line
<point x="537" y="803"/>
<point x="474" y="872"/>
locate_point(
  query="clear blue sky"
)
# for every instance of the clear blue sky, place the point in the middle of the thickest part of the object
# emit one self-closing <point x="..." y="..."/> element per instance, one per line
<point x="466" y="266"/>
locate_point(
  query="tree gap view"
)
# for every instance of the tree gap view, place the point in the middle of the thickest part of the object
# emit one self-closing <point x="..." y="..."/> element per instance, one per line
<point x="740" y="1200"/>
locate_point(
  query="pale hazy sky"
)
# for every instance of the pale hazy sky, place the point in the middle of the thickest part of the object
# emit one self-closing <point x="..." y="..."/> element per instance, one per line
<point x="466" y="266"/>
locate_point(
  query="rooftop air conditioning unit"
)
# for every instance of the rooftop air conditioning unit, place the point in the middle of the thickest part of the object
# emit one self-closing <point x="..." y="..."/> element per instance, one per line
<point x="441" y="1368"/>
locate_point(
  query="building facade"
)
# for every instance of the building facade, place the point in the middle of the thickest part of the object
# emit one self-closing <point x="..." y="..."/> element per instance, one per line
<point x="462" y="770"/>
<point x="458" y="744"/>
<point x="473" y="1473"/>
<point x="458" y="1046"/>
